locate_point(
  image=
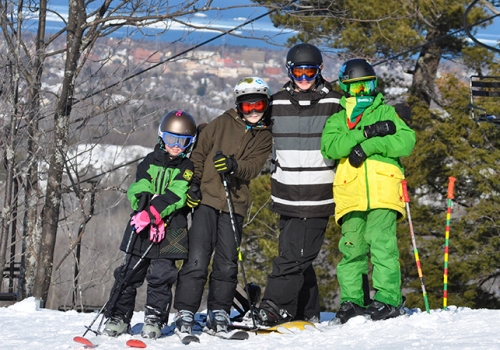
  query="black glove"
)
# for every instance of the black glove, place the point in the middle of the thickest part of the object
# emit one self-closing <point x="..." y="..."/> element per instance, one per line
<point x="224" y="164"/>
<point x="403" y="109"/>
<point x="193" y="195"/>
<point x="381" y="128"/>
<point x="357" y="156"/>
<point x="144" y="199"/>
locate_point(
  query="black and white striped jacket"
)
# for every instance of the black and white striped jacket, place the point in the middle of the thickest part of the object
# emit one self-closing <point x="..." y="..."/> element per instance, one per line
<point x="301" y="179"/>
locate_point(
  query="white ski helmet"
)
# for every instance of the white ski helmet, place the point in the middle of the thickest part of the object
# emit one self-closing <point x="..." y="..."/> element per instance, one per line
<point x="251" y="86"/>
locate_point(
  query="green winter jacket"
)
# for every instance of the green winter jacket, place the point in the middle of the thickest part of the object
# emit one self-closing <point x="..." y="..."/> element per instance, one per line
<point x="377" y="182"/>
<point x="161" y="182"/>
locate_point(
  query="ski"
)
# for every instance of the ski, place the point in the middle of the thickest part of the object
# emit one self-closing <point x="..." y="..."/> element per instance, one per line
<point x="235" y="334"/>
<point x="136" y="343"/>
<point x="84" y="341"/>
<point x="283" y="328"/>
<point x="187" y="338"/>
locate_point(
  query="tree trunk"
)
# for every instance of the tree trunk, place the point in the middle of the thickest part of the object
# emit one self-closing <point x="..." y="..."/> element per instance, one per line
<point x="426" y="70"/>
<point x="9" y="163"/>
<point x="50" y="213"/>
<point x="31" y="223"/>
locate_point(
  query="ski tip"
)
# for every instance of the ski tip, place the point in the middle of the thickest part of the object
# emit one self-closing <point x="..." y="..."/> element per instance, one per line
<point x="136" y="343"/>
<point x="84" y="341"/>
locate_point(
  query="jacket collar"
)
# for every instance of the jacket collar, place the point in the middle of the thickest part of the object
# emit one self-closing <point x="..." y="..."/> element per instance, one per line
<point x="321" y="89"/>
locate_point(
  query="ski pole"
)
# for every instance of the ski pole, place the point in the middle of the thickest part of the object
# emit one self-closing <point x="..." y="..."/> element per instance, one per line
<point x="115" y="291"/>
<point x="238" y="248"/>
<point x="451" y="184"/>
<point x="415" y="250"/>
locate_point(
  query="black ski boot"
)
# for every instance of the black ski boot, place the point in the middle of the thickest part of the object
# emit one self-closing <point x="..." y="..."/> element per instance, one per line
<point x="184" y="320"/>
<point x="218" y="321"/>
<point x="347" y="310"/>
<point x="269" y="314"/>
<point x="381" y="311"/>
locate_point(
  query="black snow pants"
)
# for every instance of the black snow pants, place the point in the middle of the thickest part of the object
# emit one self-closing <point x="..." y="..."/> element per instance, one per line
<point x="160" y="274"/>
<point x="211" y="230"/>
<point x="292" y="284"/>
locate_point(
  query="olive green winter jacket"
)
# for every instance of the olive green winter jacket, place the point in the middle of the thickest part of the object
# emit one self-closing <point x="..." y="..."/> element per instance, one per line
<point x="251" y="147"/>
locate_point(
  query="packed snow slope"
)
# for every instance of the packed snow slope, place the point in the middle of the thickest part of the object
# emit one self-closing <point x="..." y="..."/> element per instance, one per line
<point x="26" y="328"/>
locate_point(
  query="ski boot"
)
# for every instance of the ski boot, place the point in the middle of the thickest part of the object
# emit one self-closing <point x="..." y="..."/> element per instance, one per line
<point x="115" y="325"/>
<point x="269" y="314"/>
<point x="218" y="321"/>
<point x="347" y="310"/>
<point x="184" y="320"/>
<point x="380" y="311"/>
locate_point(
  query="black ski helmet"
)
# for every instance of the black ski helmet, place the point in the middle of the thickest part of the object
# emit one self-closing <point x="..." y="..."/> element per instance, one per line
<point x="357" y="69"/>
<point x="304" y="55"/>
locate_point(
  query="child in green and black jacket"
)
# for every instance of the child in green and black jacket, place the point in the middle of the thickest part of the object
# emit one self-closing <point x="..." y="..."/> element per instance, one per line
<point x="157" y="233"/>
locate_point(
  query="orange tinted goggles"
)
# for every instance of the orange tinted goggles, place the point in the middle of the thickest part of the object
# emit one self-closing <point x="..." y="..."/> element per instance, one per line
<point x="304" y="72"/>
<point x="257" y="106"/>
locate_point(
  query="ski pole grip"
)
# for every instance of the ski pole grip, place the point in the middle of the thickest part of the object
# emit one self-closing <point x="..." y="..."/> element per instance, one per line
<point x="451" y="186"/>
<point x="405" y="191"/>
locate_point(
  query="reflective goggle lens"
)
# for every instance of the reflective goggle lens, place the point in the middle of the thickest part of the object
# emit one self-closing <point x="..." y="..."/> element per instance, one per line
<point x="172" y="140"/>
<point x="361" y="88"/>
<point x="304" y="72"/>
<point x="257" y="106"/>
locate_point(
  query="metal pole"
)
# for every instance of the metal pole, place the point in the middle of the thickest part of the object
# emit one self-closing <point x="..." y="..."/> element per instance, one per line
<point x="118" y="287"/>
<point x="238" y="248"/>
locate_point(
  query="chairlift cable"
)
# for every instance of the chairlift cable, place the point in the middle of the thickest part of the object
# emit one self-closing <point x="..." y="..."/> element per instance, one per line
<point x="183" y="52"/>
<point x="469" y="34"/>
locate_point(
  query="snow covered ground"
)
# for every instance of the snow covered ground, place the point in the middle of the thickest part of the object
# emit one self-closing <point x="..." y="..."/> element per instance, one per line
<point x="26" y="328"/>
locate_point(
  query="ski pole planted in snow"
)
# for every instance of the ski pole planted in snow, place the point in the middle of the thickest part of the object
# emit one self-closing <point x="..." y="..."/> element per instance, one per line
<point x="451" y="185"/>
<point x="415" y="250"/>
<point x="240" y="257"/>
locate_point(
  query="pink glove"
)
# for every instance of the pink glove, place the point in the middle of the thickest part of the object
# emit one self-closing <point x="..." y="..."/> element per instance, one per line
<point x="140" y="221"/>
<point x="157" y="230"/>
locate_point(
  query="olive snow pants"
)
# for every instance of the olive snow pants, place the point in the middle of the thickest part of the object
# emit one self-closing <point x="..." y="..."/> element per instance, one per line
<point x="371" y="233"/>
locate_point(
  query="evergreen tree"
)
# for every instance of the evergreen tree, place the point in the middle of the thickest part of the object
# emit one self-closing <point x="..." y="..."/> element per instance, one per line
<point x="450" y="143"/>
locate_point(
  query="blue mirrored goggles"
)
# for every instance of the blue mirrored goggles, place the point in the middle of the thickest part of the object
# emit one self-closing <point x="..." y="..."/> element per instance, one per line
<point x="172" y="140"/>
<point x="307" y="73"/>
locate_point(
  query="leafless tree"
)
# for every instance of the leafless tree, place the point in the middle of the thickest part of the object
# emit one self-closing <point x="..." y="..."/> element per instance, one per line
<point x="83" y="98"/>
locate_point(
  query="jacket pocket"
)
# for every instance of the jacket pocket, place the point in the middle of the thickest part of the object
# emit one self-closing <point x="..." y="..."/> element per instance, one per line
<point x="346" y="188"/>
<point x="389" y="189"/>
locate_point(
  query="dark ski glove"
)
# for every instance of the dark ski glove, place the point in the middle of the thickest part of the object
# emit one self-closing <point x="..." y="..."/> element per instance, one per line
<point x="193" y="195"/>
<point x="144" y="199"/>
<point x="357" y="156"/>
<point x="224" y="164"/>
<point x="381" y="128"/>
